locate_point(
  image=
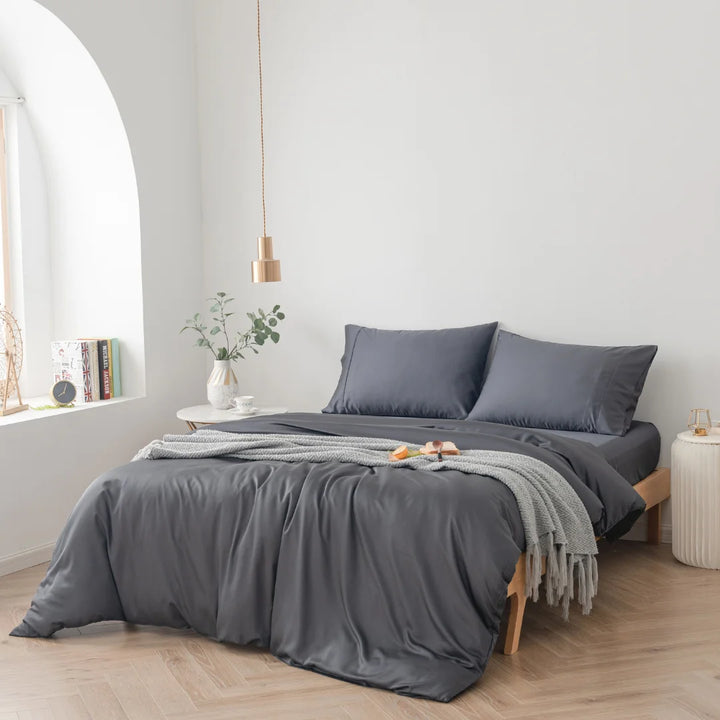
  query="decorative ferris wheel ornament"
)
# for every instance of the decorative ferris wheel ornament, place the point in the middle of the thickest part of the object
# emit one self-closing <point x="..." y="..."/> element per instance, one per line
<point x="11" y="357"/>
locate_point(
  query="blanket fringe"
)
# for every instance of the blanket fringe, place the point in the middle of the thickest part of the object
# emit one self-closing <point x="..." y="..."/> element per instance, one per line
<point x="561" y="571"/>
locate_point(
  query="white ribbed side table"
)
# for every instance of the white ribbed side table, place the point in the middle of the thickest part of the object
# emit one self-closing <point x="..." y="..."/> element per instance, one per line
<point x="695" y="499"/>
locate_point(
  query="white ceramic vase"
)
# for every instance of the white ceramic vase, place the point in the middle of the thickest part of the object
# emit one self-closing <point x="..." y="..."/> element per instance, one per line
<point x="222" y="385"/>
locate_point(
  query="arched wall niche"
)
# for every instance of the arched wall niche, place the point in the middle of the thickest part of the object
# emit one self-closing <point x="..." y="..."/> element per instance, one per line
<point x="81" y="271"/>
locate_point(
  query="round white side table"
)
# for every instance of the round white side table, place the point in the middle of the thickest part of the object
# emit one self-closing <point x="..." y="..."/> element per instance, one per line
<point x="208" y="415"/>
<point x="695" y="499"/>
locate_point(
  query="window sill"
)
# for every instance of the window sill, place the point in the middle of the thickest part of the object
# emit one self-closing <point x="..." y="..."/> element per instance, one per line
<point x="30" y="414"/>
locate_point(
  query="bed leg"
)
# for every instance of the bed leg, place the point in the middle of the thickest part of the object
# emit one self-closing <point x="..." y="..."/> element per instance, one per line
<point x="517" y="610"/>
<point x="653" y="528"/>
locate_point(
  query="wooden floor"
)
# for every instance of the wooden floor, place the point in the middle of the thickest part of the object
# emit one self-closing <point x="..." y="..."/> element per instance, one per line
<point x="650" y="649"/>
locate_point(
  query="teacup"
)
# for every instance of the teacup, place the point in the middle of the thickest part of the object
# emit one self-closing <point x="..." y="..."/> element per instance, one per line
<point x="244" y="403"/>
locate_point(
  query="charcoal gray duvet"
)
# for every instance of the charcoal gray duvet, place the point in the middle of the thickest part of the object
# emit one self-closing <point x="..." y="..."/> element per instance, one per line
<point x="389" y="577"/>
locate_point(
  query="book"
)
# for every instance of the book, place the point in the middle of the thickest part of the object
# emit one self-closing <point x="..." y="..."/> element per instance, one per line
<point x="86" y="371"/>
<point x="94" y="369"/>
<point x="71" y="361"/>
<point x="116" y="384"/>
<point x="105" y="368"/>
<point x="110" y="366"/>
<point x="448" y="448"/>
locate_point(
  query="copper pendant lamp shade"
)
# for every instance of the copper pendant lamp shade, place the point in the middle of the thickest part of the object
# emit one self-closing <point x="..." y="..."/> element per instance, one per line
<point x="266" y="268"/>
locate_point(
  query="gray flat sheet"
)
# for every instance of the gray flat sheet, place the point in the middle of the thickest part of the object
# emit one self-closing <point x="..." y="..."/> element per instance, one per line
<point x="634" y="455"/>
<point x="389" y="577"/>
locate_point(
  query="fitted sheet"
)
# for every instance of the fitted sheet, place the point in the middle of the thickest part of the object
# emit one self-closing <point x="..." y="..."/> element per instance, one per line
<point x="634" y="455"/>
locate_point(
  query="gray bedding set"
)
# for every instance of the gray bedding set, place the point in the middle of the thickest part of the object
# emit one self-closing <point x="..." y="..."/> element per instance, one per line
<point x="389" y="577"/>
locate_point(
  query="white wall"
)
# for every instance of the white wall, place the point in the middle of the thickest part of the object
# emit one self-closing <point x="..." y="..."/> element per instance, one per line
<point x="552" y="165"/>
<point x="145" y="53"/>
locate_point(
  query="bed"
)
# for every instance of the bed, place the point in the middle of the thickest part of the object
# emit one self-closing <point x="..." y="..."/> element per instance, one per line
<point x="391" y="578"/>
<point x="298" y="533"/>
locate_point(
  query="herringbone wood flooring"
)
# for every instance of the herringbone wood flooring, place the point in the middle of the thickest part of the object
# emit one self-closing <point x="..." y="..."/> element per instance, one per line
<point x="650" y="649"/>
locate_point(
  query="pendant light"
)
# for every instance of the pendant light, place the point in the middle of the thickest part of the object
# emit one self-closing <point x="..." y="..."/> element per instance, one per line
<point x="266" y="268"/>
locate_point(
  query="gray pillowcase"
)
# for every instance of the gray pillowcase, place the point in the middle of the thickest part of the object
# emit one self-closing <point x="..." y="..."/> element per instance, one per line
<point x="548" y="385"/>
<point x="412" y="373"/>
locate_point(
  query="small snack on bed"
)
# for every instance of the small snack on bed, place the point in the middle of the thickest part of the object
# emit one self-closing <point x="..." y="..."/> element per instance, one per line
<point x="402" y="452"/>
<point x="399" y="453"/>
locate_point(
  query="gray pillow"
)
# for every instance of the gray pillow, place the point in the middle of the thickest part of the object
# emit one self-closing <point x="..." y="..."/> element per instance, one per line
<point x="411" y="373"/>
<point x="563" y="387"/>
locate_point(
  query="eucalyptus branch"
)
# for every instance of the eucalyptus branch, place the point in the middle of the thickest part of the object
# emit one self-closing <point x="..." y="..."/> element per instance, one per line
<point x="263" y="328"/>
<point x="195" y="323"/>
<point x="224" y="321"/>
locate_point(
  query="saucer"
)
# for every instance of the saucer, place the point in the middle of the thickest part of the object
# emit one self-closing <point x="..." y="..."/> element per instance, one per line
<point x="237" y="411"/>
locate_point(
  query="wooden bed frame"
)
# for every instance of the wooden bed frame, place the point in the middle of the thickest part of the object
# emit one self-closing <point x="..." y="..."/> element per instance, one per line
<point x="653" y="489"/>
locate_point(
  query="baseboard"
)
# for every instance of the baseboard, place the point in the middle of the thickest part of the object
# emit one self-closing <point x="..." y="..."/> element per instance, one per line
<point x="26" y="558"/>
<point x="639" y="531"/>
<point x="666" y="533"/>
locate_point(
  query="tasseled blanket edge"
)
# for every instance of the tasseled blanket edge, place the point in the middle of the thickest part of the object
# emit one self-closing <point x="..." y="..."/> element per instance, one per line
<point x="561" y="570"/>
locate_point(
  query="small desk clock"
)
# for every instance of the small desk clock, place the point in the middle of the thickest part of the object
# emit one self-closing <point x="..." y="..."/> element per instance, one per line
<point x="63" y="393"/>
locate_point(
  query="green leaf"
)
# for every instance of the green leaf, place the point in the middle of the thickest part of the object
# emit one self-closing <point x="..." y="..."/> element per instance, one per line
<point x="227" y="315"/>
<point x="200" y="342"/>
<point x="275" y="337"/>
<point x="215" y="308"/>
<point x="215" y="330"/>
<point x="272" y="322"/>
<point x="260" y="340"/>
<point x="196" y="317"/>
<point x="276" y="308"/>
<point x="281" y="316"/>
<point x="261" y="313"/>
<point x="221" y="294"/>
<point x="241" y="356"/>
<point x="254" y="350"/>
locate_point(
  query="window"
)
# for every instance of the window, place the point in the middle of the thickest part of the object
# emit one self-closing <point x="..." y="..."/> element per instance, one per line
<point x="4" y="223"/>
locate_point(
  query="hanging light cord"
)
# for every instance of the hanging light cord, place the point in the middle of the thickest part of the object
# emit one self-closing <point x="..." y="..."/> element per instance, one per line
<point x="262" y="122"/>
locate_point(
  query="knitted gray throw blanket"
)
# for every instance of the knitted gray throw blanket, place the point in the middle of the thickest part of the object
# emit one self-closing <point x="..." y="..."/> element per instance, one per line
<point x="556" y="523"/>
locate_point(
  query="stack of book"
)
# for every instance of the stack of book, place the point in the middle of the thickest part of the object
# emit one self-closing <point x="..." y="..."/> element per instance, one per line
<point x="92" y="365"/>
